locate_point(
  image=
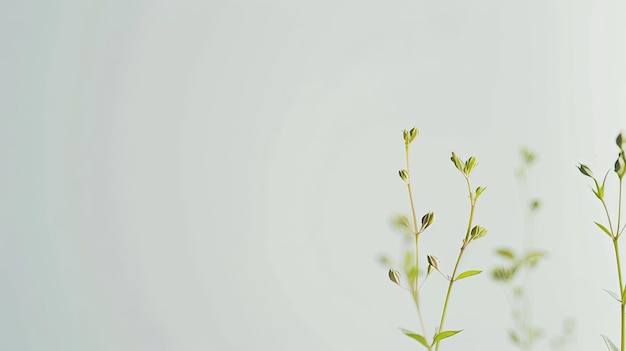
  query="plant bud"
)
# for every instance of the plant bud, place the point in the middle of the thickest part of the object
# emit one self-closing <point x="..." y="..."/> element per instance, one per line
<point x="585" y="170"/>
<point x="404" y="175"/>
<point x="621" y="139"/>
<point x="620" y="165"/>
<point x="427" y="220"/>
<point x="502" y="274"/>
<point x="394" y="276"/>
<point x="432" y="262"/>
<point x="478" y="232"/>
<point x="413" y="133"/>
<point x="405" y="135"/>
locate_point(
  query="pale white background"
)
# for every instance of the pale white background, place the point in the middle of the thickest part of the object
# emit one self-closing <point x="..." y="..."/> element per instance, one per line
<point x="221" y="175"/>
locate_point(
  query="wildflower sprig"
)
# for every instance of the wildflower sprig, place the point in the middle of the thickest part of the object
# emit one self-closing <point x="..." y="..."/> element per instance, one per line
<point x="415" y="229"/>
<point x="613" y="232"/>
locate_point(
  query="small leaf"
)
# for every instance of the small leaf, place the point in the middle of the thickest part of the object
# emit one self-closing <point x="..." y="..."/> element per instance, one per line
<point x="613" y="295"/>
<point x="467" y="274"/>
<point x="415" y="336"/>
<point x="609" y="344"/>
<point x="457" y="162"/>
<point x="604" y="229"/>
<point x="445" y="334"/>
<point x="480" y="190"/>
<point x="506" y="253"/>
<point x="469" y="165"/>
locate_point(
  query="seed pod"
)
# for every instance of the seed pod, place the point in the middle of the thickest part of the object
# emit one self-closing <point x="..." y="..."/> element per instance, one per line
<point x="432" y="262"/>
<point x="394" y="276"/>
<point x="620" y="165"/>
<point x="427" y="220"/>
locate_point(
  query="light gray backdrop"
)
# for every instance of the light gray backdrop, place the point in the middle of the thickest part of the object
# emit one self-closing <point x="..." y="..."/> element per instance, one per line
<point x="221" y="175"/>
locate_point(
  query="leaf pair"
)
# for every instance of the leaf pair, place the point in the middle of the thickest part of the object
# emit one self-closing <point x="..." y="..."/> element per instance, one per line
<point x="436" y="339"/>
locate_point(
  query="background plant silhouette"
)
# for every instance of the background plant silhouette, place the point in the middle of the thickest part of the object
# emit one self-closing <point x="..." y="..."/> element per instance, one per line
<point x="515" y="275"/>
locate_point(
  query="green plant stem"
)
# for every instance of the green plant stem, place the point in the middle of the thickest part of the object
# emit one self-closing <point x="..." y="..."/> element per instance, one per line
<point x="621" y="289"/>
<point x="466" y="242"/>
<point x="415" y="287"/>
<point x="445" y="305"/>
<point x="415" y="295"/>
<point x="619" y="266"/>
<point x="619" y="209"/>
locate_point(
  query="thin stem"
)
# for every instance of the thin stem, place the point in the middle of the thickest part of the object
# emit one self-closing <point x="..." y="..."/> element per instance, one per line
<point x="415" y="287"/>
<point x="445" y="305"/>
<point x="415" y="295"/>
<point x="619" y="266"/>
<point x="415" y="230"/>
<point x="619" y="208"/>
<point x="606" y="210"/>
<point x="466" y="242"/>
<point x="619" y="275"/>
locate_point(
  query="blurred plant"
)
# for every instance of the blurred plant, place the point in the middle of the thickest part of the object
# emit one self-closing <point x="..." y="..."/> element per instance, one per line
<point x="515" y="275"/>
<point x="414" y="230"/>
<point x="613" y="232"/>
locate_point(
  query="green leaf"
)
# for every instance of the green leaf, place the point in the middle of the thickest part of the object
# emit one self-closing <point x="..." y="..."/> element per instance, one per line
<point x="457" y="162"/>
<point x="506" y="253"/>
<point x="467" y="274"/>
<point x="469" y="165"/>
<point x="604" y="229"/>
<point x="415" y="336"/>
<point x="445" y="334"/>
<point x="609" y="344"/>
<point x="613" y="295"/>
